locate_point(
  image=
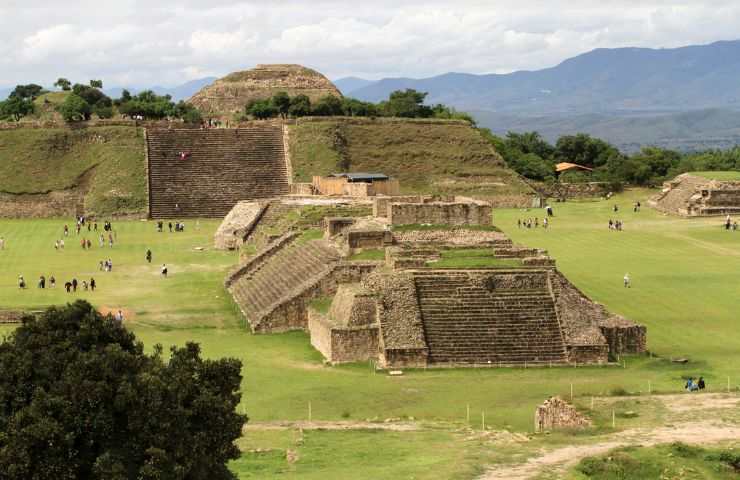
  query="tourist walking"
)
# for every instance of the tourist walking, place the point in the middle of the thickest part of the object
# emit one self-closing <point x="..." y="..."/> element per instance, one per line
<point x="92" y="284"/>
<point x="164" y="270"/>
<point x="21" y="282"/>
<point x="74" y="284"/>
<point x="627" y="283"/>
<point x="2" y="243"/>
<point x="149" y="256"/>
<point x="42" y="282"/>
<point x="52" y="281"/>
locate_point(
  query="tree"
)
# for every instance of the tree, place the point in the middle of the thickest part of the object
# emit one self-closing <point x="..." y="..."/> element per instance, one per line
<point x="406" y="103"/>
<point x="64" y="84"/>
<point x="74" y="109"/>
<point x="352" y="107"/>
<point x="300" y="106"/>
<point x="79" y="398"/>
<point x="27" y="92"/>
<point x="261" y="109"/>
<point x="584" y="150"/>
<point x="327" y="106"/>
<point x="96" y="83"/>
<point x="281" y="102"/>
<point x="15" y="108"/>
<point x="91" y="95"/>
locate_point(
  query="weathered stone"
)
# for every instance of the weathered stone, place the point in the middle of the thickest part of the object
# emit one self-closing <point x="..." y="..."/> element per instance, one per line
<point x="557" y="413"/>
<point x="232" y="93"/>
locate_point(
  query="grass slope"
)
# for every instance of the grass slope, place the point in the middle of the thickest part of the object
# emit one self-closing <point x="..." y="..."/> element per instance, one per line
<point x="425" y="156"/>
<point x="43" y="160"/>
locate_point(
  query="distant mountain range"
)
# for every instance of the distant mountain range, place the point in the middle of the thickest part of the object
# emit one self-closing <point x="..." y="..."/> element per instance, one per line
<point x="685" y="131"/>
<point x="180" y="92"/>
<point x="601" y="81"/>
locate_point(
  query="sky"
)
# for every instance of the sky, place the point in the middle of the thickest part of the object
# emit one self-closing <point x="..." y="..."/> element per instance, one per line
<point x="163" y="42"/>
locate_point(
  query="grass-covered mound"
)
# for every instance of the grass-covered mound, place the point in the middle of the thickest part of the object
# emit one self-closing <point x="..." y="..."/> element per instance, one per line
<point x="427" y="156"/>
<point x="676" y="460"/>
<point x="46" y="160"/>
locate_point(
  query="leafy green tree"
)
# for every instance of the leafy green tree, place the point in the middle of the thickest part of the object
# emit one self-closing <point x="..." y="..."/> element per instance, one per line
<point x="261" y="109"/>
<point x="585" y="150"/>
<point x="281" y="102"/>
<point x="530" y="142"/>
<point x="102" y="111"/>
<point x="300" y="106"/>
<point x="96" y="83"/>
<point x="328" y="105"/>
<point x="352" y="107"/>
<point x="63" y="84"/>
<point x="27" y="92"/>
<point x="15" y="108"/>
<point x="74" y="108"/>
<point x="406" y="103"/>
<point x="79" y="399"/>
<point x="92" y="96"/>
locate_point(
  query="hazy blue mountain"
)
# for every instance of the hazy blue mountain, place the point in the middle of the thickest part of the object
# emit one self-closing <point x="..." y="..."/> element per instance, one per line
<point x="686" y="131"/>
<point x="4" y="92"/>
<point x="603" y="80"/>
<point x="348" y="85"/>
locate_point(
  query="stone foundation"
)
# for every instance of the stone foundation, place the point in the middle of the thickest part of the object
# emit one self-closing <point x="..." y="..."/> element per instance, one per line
<point x="556" y="413"/>
<point x="440" y="213"/>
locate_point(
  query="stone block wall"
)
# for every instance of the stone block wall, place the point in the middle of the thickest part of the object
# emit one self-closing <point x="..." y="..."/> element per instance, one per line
<point x="625" y="339"/>
<point x="301" y="189"/>
<point x="369" y="239"/>
<point x="587" y="353"/>
<point x="260" y="258"/>
<point x="11" y="316"/>
<point x="557" y="413"/>
<point x="336" y="225"/>
<point x="440" y="213"/>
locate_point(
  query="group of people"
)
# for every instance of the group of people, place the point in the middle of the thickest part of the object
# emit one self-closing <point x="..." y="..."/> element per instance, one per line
<point x="616" y="225"/>
<point x="178" y="226"/>
<point x="693" y="386"/>
<point x="70" y="286"/>
<point x="106" y="265"/>
<point x="729" y="224"/>
<point x="532" y="223"/>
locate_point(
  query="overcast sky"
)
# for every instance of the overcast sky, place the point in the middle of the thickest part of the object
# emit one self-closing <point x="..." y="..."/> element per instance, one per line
<point x="165" y="42"/>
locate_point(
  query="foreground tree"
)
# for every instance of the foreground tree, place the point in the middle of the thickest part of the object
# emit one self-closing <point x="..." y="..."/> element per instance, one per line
<point x="79" y="399"/>
<point x="15" y="108"/>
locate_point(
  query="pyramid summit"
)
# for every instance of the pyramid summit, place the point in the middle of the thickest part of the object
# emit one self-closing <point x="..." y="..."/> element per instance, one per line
<point x="230" y="94"/>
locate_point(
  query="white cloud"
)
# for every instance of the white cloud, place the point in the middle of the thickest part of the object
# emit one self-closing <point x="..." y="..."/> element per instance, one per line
<point x="137" y="42"/>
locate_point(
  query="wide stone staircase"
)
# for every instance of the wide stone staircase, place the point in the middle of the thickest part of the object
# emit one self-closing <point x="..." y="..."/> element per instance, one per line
<point x="220" y="168"/>
<point x="464" y="322"/>
<point x="284" y="275"/>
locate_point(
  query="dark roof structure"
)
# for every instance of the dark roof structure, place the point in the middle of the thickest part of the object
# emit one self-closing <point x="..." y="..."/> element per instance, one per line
<point x="361" y="177"/>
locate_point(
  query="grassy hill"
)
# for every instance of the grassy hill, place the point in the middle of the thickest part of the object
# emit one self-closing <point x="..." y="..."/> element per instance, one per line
<point x="46" y="160"/>
<point x="426" y="156"/>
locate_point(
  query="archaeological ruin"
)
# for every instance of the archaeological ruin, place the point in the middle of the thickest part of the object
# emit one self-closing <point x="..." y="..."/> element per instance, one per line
<point x="695" y="196"/>
<point x="230" y="94"/>
<point x="368" y="287"/>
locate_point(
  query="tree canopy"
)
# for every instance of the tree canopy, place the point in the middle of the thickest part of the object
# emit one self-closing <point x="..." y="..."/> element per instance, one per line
<point x="79" y="399"/>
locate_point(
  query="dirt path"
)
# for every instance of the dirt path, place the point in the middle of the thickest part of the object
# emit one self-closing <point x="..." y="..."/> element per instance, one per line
<point x="560" y="459"/>
<point x="331" y="425"/>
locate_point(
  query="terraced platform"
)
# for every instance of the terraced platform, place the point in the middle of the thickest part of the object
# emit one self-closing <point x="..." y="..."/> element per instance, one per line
<point x="220" y="168"/>
<point x="275" y="282"/>
<point x="466" y="322"/>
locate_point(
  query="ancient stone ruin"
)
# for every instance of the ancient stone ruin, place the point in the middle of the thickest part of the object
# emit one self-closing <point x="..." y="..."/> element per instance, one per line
<point x="692" y="196"/>
<point x="229" y="95"/>
<point x="401" y="309"/>
<point x="556" y="413"/>
<point x="203" y="173"/>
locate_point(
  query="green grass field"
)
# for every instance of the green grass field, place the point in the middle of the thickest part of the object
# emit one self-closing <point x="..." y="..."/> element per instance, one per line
<point x="685" y="290"/>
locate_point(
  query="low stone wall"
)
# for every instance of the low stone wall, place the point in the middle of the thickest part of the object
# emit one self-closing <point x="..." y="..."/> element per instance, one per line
<point x="440" y="213"/>
<point x="381" y="204"/>
<point x="556" y="413"/>
<point x="625" y="339"/>
<point x="336" y="225"/>
<point x="342" y="344"/>
<point x="590" y="354"/>
<point x="404" y="357"/>
<point x="457" y="236"/>
<point x="369" y="239"/>
<point x="65" y="203"/>
<point x="240" y="220"/>
<point x="11" y="316"/>
<point x="302" y="189"/>
<point x="574" y="190"/>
